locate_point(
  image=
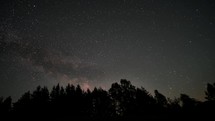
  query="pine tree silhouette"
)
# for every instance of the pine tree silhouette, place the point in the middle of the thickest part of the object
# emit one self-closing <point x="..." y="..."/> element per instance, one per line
<point x="122" y="102"/>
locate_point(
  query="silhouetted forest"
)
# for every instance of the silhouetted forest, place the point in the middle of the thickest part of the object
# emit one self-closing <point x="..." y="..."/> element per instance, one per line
<point x="122" y="102"/>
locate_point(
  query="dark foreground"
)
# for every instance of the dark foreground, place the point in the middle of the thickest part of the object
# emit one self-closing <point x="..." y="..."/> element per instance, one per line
<point x="122" y="102"/>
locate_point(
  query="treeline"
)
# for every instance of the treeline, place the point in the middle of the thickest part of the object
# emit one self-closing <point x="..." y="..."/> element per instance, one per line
<point x="122" y="102"/>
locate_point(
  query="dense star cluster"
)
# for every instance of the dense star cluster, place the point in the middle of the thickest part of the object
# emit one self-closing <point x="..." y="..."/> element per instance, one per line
<point x="165" y="45"/>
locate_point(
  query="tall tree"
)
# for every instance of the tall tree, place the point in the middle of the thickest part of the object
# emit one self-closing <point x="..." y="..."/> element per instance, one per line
<point x="100" y="103"/>
<point x="210" y="93"/>
<point x="5" y="105"/>
<point x="160" y="99"/>
<point x="23" y="105"/>
<point x="55" y="93"/>
<point x="123" y="97"/>
<point x="145" y="104"/>
<point x="187" y="102"/>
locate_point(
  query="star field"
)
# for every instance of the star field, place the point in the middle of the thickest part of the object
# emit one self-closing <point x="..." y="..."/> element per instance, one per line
<point x="165" y="45"/>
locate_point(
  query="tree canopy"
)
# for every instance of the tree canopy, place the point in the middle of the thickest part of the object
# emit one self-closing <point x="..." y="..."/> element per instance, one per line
<point x="123" y="101"/>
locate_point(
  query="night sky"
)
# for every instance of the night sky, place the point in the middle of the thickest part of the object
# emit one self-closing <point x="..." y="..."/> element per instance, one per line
<point x="167" y="45"/>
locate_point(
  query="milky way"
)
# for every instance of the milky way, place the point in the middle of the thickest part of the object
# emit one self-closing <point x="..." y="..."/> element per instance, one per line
<point x="164" y="45"/>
